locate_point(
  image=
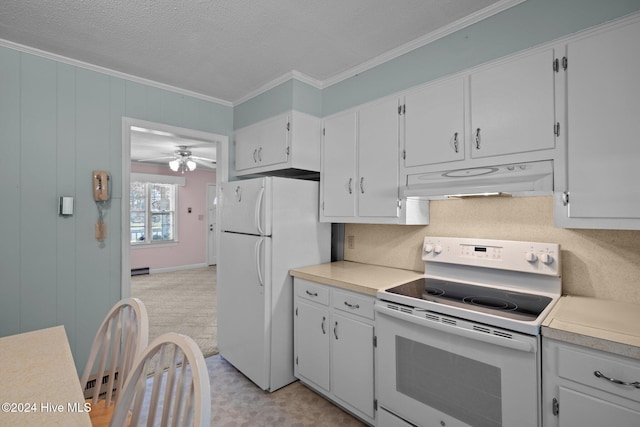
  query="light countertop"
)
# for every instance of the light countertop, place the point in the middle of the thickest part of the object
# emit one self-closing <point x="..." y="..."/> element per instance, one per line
<point x="606" y="325"/>
<point x="355" y="276"/>
<point x="39" y="377"/>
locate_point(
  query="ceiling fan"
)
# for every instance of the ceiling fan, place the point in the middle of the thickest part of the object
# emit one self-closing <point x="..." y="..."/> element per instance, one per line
<point x="183" y="160"/>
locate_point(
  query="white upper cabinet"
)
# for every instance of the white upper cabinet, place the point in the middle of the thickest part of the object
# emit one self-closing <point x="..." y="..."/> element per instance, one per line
<point x="339" y="166"/>
<point x="603" y="114"/>
<point x="512" y="106"/>
<point x="434" y="124"/>
<point x="378" y="160"/>
<point x="286" y="141"/>
<point x="496" y="114"/>
<point x="359" y="178"/>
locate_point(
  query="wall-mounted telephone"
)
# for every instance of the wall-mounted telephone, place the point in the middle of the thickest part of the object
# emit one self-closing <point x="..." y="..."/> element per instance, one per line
<point x="101" y="190"/>
<point x="101" y="186"/>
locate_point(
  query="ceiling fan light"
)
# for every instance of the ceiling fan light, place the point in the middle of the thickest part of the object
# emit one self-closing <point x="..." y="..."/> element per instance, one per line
<point x="191" y="164"/>
<point x="174" y="165"/>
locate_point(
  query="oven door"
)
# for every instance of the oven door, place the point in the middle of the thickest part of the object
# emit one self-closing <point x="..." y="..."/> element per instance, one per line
<point x="435" y="370"/>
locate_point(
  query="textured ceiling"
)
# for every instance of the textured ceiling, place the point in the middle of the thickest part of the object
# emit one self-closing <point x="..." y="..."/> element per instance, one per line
<point x="226" y="49"/>
<point x="154" y="147"/>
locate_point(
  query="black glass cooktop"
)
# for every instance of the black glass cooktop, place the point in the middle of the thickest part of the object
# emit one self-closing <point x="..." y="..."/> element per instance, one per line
<point x="499" y="302"/>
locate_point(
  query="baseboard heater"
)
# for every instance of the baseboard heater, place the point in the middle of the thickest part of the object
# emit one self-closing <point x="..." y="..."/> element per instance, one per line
<point x="139" y="271"/>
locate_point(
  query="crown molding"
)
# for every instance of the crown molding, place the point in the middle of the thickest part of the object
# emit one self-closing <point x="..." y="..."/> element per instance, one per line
<point x="293" y="74"/>
<point x="423" y="40"/>
<point x="110" y="72"/>
<point x="387" y="56"/>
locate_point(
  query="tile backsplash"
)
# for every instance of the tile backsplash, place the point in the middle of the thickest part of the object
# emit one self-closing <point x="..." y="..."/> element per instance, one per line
<point x="596" y="263"/>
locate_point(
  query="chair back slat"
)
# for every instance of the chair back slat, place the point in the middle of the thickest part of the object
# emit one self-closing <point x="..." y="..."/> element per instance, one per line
<point x="184" y="384"/>
<point x="123" y="334"/>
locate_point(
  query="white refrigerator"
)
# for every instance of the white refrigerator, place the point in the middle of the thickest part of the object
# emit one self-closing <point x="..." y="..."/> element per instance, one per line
<point x="268" y="226"/>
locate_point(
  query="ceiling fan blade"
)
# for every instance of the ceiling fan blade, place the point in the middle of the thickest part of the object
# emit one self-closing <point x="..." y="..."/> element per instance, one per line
<point x="204" y="159"/>
<point x="203" y="163"/>
<point x="157" y="158"/>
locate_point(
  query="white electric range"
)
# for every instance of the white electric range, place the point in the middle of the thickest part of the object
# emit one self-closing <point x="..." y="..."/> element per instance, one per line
<point x="460" y="346"/>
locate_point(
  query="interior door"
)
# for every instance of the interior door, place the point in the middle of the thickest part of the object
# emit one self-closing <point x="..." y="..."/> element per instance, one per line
<point x="243" y="297"/>
<point x="212" y="203"/>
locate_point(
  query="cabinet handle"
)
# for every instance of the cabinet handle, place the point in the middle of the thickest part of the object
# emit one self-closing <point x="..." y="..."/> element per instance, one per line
<point x="255" y="152"/>
<point x="260" y="154"/>
<point x="238" y="194"/>
<point x="455" y="142"/>
<point x="362" y="184"/>
<point x="349" y="186"/>
<point x="322" y="325"/>
<point x="311" y="294"/>
<point x="335" y="330"/>
<point x="352" y="306"/>
<point x="599" y="374"/>
<point x="478" y="139"/>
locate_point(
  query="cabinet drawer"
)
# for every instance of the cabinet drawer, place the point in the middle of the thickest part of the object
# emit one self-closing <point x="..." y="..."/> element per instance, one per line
<point x="580" y="366"/>
<point x="312" y="291"/>
<point x="353" y="303"/>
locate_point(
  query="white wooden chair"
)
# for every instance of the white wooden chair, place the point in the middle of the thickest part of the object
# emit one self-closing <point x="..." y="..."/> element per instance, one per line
<point x="179" y="395"/>
<point x="123" y="334"/>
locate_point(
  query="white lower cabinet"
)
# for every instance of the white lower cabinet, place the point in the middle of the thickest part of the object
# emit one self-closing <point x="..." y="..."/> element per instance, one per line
<point x="584" y="387"/>
<point x="333" y="345"/>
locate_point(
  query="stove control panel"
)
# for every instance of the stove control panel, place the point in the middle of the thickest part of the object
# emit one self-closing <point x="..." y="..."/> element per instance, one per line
<point x="529" y="257"/>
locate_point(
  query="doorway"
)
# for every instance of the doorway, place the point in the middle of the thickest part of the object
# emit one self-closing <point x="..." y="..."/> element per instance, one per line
<point x="130" y="125"/>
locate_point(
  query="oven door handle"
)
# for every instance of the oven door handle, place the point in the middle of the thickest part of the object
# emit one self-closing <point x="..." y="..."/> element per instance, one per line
<point x="511" y="343"/>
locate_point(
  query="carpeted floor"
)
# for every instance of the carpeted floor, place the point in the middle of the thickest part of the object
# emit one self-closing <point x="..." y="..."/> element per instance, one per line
<point x="181" y="301"/>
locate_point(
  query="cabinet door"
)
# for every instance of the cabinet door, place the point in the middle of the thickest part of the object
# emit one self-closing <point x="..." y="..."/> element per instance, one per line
<point x="352" y="363"/>
<point x="377" y="184"/>
<point x="512" y="106"/>
<point x="312" y="343"/>
<point x="273" y="135"/>
<point x="434" y="124"/>
<point x="579" y="410"/>
<point x="262" y="144"/>
<point x="603" y="97"/>
<point x="339" y="165"/>
<point x="246" y="148"/>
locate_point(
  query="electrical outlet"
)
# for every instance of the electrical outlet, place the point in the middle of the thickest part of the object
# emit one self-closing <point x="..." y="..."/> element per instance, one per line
<point x="351" y="242"/>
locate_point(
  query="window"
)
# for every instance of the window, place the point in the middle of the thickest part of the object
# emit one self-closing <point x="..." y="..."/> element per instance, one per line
<point x="153" y="212"/>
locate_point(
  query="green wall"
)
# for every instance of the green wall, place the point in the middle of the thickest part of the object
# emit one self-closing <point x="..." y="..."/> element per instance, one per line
<point x="290" y="95"/>
<point x="528" y="24"/>
<point x="57" y="124"/>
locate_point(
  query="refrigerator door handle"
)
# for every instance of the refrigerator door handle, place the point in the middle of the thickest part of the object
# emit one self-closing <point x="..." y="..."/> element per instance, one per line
<point x="259" y="211"/>
<point x="258" y="270"/>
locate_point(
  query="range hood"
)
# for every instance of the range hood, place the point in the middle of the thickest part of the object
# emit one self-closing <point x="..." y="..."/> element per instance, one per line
<point x="515" y="179"/>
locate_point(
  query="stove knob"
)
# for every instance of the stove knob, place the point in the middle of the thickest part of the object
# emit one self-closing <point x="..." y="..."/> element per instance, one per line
<point x="437" y="249"/>
<point x="428" y="248"/>
<point x="531" y="256"/>
<point x="546" y="258"/>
